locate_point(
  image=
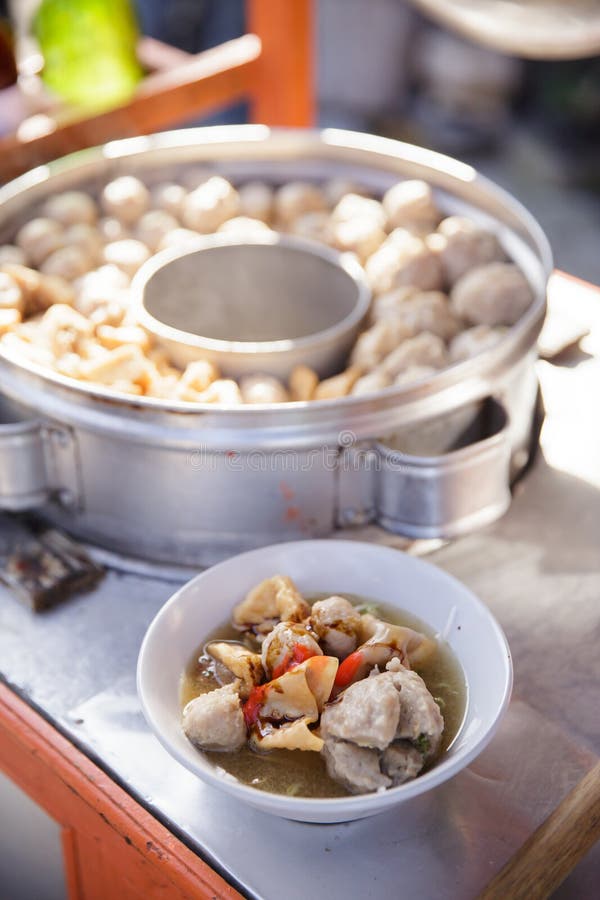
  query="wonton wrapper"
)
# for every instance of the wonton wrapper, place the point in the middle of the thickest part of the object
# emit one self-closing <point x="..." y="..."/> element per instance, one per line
<point x="289" y="697"/>
<point x="320" y="672"/>
<point x="274" y="599"/>
<point x="289" y="736"/>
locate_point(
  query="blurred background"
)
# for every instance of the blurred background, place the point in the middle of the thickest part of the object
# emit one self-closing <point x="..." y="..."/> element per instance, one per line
<point x="532" y="126"/>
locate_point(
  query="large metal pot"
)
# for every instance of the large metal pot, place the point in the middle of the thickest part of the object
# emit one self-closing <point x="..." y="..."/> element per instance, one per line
<point x="171" y="482"/>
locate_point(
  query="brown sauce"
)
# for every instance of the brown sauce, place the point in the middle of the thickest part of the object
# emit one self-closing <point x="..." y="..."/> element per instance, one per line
<point x="302" y="773"/>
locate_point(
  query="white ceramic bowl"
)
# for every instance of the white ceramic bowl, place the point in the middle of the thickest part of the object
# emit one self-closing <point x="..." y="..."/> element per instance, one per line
<point x="378" y="573"/>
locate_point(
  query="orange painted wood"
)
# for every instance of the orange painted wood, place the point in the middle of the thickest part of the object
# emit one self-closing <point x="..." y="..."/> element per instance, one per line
<point x="113" y="848"/>
<point x="201" y="85"/>
<point x="284" y="93"/>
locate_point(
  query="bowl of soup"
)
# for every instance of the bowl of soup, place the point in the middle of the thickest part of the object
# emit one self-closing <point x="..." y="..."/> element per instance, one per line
<point x="324" y="681"/>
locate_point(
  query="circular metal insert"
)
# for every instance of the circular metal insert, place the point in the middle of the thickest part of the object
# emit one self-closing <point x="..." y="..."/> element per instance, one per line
<point x="258" y="306"/>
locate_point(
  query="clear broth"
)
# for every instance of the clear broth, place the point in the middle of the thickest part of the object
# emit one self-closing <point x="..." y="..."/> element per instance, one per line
<point x="302" y="773"/>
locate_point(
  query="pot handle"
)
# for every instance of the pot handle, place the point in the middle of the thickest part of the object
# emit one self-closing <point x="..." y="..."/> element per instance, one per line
<point x="23" y="471"/>
<point x="426" y="495"/>
<point x="446" y="495"/>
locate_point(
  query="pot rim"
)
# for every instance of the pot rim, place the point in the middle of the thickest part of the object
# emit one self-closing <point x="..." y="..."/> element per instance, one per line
<point x="103" y="409"/>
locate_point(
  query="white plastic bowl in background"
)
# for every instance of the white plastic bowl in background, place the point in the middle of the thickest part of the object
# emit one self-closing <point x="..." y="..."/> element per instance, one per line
<point x="377" y="573"/>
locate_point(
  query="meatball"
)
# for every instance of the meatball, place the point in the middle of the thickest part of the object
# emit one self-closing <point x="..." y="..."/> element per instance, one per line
<point x="211" y="204"/>
<point x="215" y="721"/>
<point x="68" y="262"/>
<point x="71" y="208"/>
<point x="367" y="713"/>
<point x="356" y="768"/>
<point x="168" y="197"/>
<point x="256" y="201"/>
<point x="296" y="198"/>
<point x="473" y="341"/>
<point x="125" y="198"/>
<point x="401" y="762"/>
<point x="314" y="226"/>
<point x="86" y="237"/>
<point x="244" y="228"/>
<point x="420" y="717"/>
<point x="353" y="206"/>
<point x="495" y="294"/>
<point x="404" y="259"/>
<point x="288" y="644"/>
<point x="423" y="350"/>
<point x="337" y="624"/>
<point x="428" y="311"/>
<point x="262" y="389"/>
<point x="362" y="236"/>
<point x="388" y="305"/>
<point x="12" y="254"/>
<point x="39" y="238"/>
<point x="127" y="255"/>
<point x="462" y="245"/>
<point x="153" y="226"/>
<point x="410" y="204"/>
<point x="377" y="342"/>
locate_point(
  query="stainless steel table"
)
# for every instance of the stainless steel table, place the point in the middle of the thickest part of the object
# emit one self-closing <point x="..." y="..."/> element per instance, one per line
<point x="538" y="569"/>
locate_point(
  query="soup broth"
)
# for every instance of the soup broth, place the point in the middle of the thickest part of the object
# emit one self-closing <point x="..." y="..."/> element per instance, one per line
<point x="303" y="773"/>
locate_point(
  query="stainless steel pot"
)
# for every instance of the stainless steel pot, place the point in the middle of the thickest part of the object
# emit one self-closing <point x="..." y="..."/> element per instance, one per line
<point x="191" y="484"/>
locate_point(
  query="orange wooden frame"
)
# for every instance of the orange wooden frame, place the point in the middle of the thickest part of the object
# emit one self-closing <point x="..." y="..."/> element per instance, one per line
<point x="272" y="66"/>
<point x="112" y="847"/>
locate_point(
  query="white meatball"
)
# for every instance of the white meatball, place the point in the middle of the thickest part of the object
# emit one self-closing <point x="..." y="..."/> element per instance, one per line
<point x="262" y="389"/>
<point x="215" y="721"/>
<point x="388" y="305"/>
<point x="169" y="197"/>
<point x="353" y="206"/>
<point x="404" y="259"/>
<point x="9" y="253"/>
<point x="473" y="341"/>
<point x="494" y="294"/>
<point x="126" y="198"/>
<point x="296" y="198"/>
<point x="111" y="229"/>
<point x="256" y="200"/>
<point x="423" y="350"/>
<point x="71" y="208"/>
<point x="429" y="311"/>
<point x="375" y="343"/>
<point x="85" y="236"/>
<point x="362" y="236"/>
<point x="462" y="245"/>
<point x="211" y="204"/>
<point x="39" y="238"/>
<point x="312" y="225"/>
<point x="127" y="255"/>
<point x="243" y="228"/>
<point x="411" y="204"/>
<point x="181" y="239"/>
<point x="68" y="262"/>
<point x="153" y="226"/>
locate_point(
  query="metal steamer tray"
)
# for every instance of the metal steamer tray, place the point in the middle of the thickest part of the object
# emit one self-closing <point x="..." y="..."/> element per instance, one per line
<point x="189" y="484"/>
